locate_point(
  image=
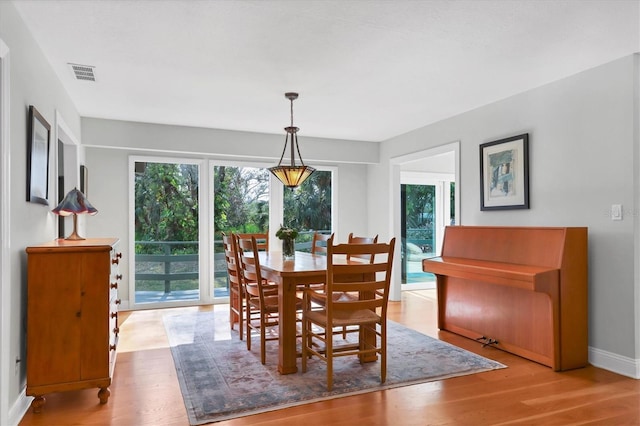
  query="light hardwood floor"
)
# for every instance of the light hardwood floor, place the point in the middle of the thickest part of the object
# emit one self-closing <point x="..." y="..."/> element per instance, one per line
<point x="145" y="390"/>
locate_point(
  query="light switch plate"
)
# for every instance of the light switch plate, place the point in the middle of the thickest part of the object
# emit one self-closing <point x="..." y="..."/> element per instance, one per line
<point x="616" y="212"/>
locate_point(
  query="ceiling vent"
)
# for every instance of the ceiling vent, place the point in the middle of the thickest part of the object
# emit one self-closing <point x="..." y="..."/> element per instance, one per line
<point x="83" y="72"/>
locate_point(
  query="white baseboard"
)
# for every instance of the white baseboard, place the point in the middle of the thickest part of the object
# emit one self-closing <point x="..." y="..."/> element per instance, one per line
<point x="613" y="362"/>
<point x="19" y="408"/>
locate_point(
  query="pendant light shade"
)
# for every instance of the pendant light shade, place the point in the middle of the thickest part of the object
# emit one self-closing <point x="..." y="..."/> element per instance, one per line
<point x="291" y="175"/>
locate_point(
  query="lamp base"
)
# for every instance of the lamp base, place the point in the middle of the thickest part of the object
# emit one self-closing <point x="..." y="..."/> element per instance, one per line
<point x="74" y="235"/>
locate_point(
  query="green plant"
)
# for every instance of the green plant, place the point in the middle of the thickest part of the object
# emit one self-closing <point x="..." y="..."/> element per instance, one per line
<point x="287" y="233"/>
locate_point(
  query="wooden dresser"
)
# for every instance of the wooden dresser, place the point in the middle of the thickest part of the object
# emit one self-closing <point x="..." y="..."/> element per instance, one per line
<point x="520" y="289"/>
<point x="72" y="316"/>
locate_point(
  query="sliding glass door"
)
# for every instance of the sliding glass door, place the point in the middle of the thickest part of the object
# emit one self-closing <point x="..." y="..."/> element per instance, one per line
<point x="167" y="229"/>
<point x="240" y="204"/>
<point x="427" y="206"/>
<point x="180" y="210"/>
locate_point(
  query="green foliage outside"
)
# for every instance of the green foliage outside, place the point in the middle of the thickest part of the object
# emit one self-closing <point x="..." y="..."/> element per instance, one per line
<point x="308" y="207"/>
<point x="452" y="200"/>
<point x="420" y="203"/>
<point x="166" y="221"/>
<point x="166" y="207"/>
<point x="166" y="213"/>
<point x="241" y="200"/>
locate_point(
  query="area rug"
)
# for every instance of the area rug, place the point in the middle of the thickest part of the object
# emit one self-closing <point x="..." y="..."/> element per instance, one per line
<point x="221" y="379"/>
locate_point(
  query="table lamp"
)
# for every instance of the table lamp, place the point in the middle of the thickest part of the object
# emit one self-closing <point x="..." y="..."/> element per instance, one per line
<point x="74" y="203"/>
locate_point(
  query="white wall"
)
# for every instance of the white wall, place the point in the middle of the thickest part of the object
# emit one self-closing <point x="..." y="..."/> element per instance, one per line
<point x="224" y="144"/>
<point x="32" y="82"/>
<point x="109" y="143"/>
<point x="582" y="154"/>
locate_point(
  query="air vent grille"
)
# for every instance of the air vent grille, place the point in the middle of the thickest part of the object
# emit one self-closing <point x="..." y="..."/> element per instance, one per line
<point x="83" y="72"/>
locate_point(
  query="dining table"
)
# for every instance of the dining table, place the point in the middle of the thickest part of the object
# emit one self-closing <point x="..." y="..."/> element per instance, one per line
<point x="292" y="276"/>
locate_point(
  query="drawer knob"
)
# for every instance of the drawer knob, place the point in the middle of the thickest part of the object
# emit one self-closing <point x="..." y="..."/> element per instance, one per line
<point x="118" y="301"/>
<point x="116" y="330"/>
<point x="114" y="285"/>
<point x="114" y="315"/>
<point x="115" y="261"/>
<point x="112" y="347"/>
<point x="119" y="255"/>
<point x="119" y="277"/>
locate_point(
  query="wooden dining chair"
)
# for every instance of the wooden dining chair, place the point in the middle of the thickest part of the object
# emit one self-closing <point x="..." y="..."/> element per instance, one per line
<point x="262" y="239"/>
<point x="368" y="312"/>
<point x="319" y="246"/>
<point x="352" y="239"/>
<point x="236" y="288"/>
<point x="261" y="296"/>
<point x="319" y="243"/>
<point x="362" y="240"/>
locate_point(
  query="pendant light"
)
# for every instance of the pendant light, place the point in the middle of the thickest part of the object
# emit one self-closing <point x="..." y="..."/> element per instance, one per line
<point x="291" y="175"/>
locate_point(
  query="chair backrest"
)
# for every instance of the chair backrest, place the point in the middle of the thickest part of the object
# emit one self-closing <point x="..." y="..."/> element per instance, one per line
<point x="233" y="262"/>
<point x="372" y="280"/>
<point x="319" y="243"/>
<point x="262" y="239"/>
<point x="362" y="240"/>
<point x="250" y="267"/>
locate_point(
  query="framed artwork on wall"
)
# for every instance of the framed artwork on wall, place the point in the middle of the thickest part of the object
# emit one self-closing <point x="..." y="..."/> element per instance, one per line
<point x="84" y="180"/>
<point x="504" y="174"/>
<point x="38" y="158"/>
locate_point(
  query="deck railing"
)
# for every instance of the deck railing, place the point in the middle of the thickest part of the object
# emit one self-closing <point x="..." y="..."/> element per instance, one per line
<point x="167" y="259"/>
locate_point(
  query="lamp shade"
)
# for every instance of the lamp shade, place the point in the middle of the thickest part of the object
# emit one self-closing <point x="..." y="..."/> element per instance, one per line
<point x="74" y="203"/>
<point x="292" y="176"/>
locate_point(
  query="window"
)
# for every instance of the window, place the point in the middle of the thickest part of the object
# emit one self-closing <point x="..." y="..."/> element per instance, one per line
<point x="308" y="208"/>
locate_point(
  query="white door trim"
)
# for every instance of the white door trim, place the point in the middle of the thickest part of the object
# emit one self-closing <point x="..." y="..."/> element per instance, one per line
<point x="5" y="238"/>
<point x="395" y="165"/>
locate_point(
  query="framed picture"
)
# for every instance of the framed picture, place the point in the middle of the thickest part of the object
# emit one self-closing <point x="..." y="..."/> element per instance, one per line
<point x="38" y="158"/>
<point x="504" y="174"/>
<point x="84" y="180"/>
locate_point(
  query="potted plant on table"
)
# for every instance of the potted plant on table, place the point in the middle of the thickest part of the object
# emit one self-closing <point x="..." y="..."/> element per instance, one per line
<point x="288" y="237"/>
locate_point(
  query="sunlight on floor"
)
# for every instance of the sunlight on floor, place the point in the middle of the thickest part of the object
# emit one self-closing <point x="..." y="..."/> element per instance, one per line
<point x="144" y="329"/>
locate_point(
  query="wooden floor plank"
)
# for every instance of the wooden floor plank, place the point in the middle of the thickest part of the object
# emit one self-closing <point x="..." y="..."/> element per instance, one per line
<point x="145" y="390"/>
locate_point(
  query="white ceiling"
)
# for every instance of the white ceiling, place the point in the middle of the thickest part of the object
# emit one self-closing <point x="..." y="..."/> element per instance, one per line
<point x="365" y="69"/>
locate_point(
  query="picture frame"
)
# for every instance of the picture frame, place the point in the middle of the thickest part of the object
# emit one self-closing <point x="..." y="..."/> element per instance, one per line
<point x="84" y="180"/>
<point x="38" y="148"/>
<point x="504" y="174"/>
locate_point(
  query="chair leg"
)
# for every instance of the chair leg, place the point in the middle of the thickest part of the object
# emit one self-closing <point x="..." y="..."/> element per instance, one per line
<point x="236" y="311"/>
<point x="263" y="336"/>
<point x="240" y="319"/>
<point x="383" y="354"/>
<point x="329" y="356"/>
<point x="248" y="317"/>
<point x="231" y="312"/>
<point x="305" y="338"/>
